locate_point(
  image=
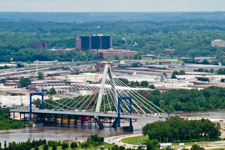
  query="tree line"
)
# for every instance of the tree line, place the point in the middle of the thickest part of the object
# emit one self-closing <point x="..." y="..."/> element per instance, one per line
<point x="210" y="98"/>
<point x="179" y="130"/>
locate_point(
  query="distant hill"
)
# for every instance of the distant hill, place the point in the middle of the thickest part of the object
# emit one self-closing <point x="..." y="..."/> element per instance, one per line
<point x="109" y="16"/>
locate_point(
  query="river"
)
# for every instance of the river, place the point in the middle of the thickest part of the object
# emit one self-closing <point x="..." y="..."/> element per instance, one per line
<point x="64" y="133"/>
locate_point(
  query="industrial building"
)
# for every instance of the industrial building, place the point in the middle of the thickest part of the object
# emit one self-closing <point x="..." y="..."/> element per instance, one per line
<point x="218" y="43"/>
<point x="38" y="45"/>
<point x="87" y="43"/>
<point x="112" y="52"/>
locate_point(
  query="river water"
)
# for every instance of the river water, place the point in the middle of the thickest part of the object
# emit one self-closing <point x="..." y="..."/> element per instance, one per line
<point x="64" y="133"/>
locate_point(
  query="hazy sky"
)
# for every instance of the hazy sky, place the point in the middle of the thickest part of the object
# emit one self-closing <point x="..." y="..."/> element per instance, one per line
<point x="111" y="5"/>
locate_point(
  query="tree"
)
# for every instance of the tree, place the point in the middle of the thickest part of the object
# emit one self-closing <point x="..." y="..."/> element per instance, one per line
<point x="211" y="70"/>
<point x="196" y="147"/>
<point x="136" y="83"/>
<point x="40" y="75"/>
<point x="205" y="61"/>
<point x="73" y="145"/>
<point x="152" y="86"/>
<point x="132" y="83"/>
<point x="124" y="80"/>
<point x="173" y="76"/>
<point x="19" y="65"/>
<point x="24" y="82"/>
<point x="54" y="147"/>
<point x="45" y="147"/>
<point x="51" y="91"/>
<point x="164" y="74"/>
<point x="144" y="83"/>
<point x="152" y="144"/>
<point x="116" y="57"/>
<point x="222" y="80"/>
<point x="36" y="148"/>
<point x="65" y="146"/>
<point x="201" y="70"/>
<point x="182" y="72"/>
<point x="5" y="145"/>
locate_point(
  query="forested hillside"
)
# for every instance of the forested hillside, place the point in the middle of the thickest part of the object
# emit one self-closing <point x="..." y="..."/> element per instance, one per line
<point x="189" y="38"/>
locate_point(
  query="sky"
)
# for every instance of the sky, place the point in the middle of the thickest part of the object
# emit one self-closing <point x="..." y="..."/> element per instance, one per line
<point x="111" y="5"/>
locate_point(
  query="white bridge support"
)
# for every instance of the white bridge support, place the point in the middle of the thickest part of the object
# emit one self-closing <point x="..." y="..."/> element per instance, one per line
<point x="107" y="70"/>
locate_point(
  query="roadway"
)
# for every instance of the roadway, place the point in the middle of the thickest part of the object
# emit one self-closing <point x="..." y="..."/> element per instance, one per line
<point x="93" y="114"/>
<point x="117" y="140"/>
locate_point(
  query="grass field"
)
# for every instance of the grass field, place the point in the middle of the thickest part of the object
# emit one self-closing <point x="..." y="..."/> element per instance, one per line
<point x="106" y="146"/>
<point x="138" y="140"/>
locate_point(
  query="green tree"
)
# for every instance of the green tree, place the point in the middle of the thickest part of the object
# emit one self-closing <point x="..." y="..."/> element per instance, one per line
<point x="116" y="57"/>
<point x="54" y="147"/>
<point x="51" y="91"/>
<point x="182" y="72"/>
<point x="73" y="145"/>
<point x="211" y="70"/>
<point x="196" y="147"/>
<point x="19" y="65"/>
<point x="152" y="144"/>
<point x="201" y="70"/>
<point x="124" y="80"/>
<point x="65" y="146"/>
<point x="136" y="83"/>
<point x="205" y="62"/>
<point x="222" y="80"/>
<point x="24" y="82"/>
<point x="144" y="83"/>
<point x="152" y="86"/>
<point x="173" y="76"/>
<point x="36" y="148"/>
<point x="40" y="75"/>
<point x="164" y="74"/>
<point x="132" y="83"/>
<point x="45" y="147"/>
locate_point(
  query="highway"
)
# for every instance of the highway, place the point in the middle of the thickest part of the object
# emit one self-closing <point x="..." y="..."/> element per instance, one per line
<point x="93" y="114"/>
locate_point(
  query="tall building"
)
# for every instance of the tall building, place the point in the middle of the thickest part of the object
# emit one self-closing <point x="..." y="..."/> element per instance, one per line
<point x="87" y="43"/>
<point x="38" y="45"/>
<point x="218" y="43"/>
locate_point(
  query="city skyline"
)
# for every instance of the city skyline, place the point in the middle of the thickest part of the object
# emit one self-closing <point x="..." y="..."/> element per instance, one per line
<point x="111" y="6"/>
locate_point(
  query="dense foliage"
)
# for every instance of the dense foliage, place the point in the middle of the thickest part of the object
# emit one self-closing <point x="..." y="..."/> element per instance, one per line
<point x="188" y="37"/>
<point x="6" y="123"/>
<point x="210" y="98"/>
<point x="24" y="82"/>
<point x="176" y="129"/>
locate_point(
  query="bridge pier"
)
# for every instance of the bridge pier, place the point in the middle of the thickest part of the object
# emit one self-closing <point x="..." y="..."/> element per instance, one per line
<point x="75" y="121"/>
<point x="61" y="120"/>
<point x="98" y="121"/>
<point x="68" y="122"/>
<point x="55" y="120"/>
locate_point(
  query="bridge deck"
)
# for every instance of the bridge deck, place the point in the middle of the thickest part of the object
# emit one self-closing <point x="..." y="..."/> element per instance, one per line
<point x="80" y="113"/>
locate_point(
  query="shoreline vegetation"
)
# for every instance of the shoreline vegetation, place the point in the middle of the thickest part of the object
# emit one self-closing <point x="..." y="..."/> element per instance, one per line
<point x="6" y="123"/>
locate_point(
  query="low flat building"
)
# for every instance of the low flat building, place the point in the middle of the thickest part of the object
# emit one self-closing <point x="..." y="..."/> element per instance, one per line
<point x="218" y="43"/>
<point x="112" y="52"/>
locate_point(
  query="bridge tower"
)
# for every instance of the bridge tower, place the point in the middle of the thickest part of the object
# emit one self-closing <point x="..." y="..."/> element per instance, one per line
<point x="107" y="71"/>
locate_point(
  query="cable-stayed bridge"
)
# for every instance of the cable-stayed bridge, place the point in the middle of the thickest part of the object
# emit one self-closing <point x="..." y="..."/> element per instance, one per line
<point x="99" y="100"/>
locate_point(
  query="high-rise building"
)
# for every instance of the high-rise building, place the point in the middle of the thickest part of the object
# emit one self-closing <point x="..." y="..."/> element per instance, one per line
<point x="86" y="43"/>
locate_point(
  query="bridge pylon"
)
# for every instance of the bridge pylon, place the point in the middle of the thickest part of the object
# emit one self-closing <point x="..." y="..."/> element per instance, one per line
<point x="107" y="71"/>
